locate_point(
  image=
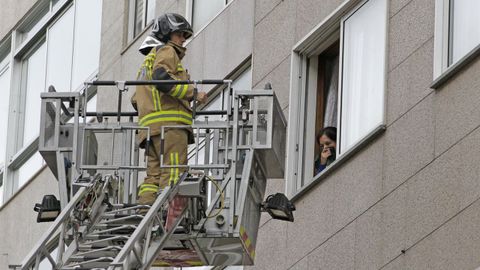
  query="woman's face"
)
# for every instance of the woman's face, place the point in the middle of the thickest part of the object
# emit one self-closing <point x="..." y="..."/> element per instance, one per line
<point x="177" y="38"/>
<point x="326" y="142"/>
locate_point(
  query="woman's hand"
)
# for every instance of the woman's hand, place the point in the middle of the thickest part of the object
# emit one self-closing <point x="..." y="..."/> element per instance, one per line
<point x="326" y="152"/>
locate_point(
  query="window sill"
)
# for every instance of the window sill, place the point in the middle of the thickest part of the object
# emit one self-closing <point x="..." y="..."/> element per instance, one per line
<point x="455" y="68"/>
<point x="338" y="162"/>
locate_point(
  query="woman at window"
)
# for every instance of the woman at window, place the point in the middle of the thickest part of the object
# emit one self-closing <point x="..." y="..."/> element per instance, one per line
<point x="327" y="138"/>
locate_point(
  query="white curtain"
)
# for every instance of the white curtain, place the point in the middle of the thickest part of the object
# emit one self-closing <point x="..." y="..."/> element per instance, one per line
<point x="465" y="27"/>
<point x="331" y="102"/>
<point x="363" y="79"/>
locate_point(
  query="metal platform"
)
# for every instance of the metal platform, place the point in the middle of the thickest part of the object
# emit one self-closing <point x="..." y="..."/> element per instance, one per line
<point x="209" y="217"/>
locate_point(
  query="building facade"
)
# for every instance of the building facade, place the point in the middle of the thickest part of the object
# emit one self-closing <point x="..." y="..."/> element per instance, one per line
<point x="397" y="78"/>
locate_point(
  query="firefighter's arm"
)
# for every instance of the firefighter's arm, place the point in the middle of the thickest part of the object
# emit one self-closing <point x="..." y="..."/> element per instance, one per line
<point x="165" y="68"/>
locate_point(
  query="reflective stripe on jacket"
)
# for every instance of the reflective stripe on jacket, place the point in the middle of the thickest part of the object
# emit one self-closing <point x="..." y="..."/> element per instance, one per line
<point x="162" y="105"/>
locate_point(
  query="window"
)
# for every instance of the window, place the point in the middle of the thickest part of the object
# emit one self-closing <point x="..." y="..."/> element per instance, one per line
<point x="338" y="80"/>
<point x="86" y="48"/>
<point x="57" y="44"/>
<point x="203" y="11"/>
<point x="60" y="47"/>
<point x="141" y="13"/>
<point x="363" y="73"/>
<point x="33" y="77"/>
<point x="456" y="32"/>
<point x="242" y="82"/>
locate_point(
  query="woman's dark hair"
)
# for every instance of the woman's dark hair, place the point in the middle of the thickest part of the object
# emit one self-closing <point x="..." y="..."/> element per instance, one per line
<point x="330" y="132"/>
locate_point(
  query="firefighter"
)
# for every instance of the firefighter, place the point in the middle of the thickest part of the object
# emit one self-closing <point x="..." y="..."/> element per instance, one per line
<point x="164" y="105"/>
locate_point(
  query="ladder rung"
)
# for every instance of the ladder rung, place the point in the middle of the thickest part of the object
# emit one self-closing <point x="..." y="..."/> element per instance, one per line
<point x="110" y="251"/>
<point x="89" y="263"/>
<point x="85" y="248"/>
<point x="120" y="230"/>
<point x="116" y="238"/>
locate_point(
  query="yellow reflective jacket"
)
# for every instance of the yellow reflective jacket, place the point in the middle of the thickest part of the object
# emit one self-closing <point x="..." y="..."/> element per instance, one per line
<point x="162" y="105"/>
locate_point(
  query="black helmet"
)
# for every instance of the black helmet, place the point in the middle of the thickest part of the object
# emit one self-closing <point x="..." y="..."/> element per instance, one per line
<point x="168" y="23"/>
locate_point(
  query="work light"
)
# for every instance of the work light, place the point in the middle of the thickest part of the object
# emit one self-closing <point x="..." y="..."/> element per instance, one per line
<point x="279" y="207"/>
<point x="48" y="210"/>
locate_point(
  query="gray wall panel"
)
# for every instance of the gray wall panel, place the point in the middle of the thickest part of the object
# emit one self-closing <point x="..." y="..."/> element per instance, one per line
<point x="274" y="39"/>
<point x="409" y="144"/>
<point x="456" y="108"/>
<point x="409" y="82"/>
<point x="19" y="228"/>
<point x="410" y="28"/>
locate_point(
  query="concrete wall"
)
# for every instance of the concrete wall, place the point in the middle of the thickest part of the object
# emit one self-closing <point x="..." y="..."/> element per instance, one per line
<point x="19" y="230"/>
<point x="414" y="189"/>
<point x="11" y="12"/>
<point x="408" y="200"/>
<point x="212" y="53"/>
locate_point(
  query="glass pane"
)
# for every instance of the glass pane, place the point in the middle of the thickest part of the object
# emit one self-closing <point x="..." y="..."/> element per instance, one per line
<point x="363" y="79"/>
<point x="465" y="33"/>
<point x="244" y="81"/>
<point x="29" y="168"/>
<point x="150" y="10"/>
<point x="5" y="90"/>
<point x="204" y="11"/>
<point x="86" y="48"/>
<point x="59" y="52"/>
<point x="35" y="84"/>
<point x="138" y="25"/>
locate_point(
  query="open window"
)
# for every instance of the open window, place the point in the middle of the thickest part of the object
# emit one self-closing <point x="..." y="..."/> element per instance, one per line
<point x="338" y="80"/>
<point x="326" y="106"/>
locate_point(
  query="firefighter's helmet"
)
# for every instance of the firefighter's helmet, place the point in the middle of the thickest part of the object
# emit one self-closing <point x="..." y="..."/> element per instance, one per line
<point x="169" y="23"/>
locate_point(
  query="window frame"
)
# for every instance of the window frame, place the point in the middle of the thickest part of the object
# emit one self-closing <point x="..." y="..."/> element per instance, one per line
<point x="30" y="33"/>
<point x="318" y="40"/>
<point x="132" y="10"/>
<point x="4" y="68"/>
<point x="189" y="15"/>
<point x="442" y="70"/>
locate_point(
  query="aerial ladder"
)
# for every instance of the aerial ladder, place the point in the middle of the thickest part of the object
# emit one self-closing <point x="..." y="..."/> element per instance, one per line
<point x="209" y="217"/>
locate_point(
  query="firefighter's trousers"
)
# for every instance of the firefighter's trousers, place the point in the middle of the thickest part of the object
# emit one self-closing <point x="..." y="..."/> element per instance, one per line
<point x="174" y="153"/>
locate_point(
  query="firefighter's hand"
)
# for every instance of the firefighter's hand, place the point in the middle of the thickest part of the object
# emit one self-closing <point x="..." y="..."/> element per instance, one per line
<point x="202" y="97"/>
